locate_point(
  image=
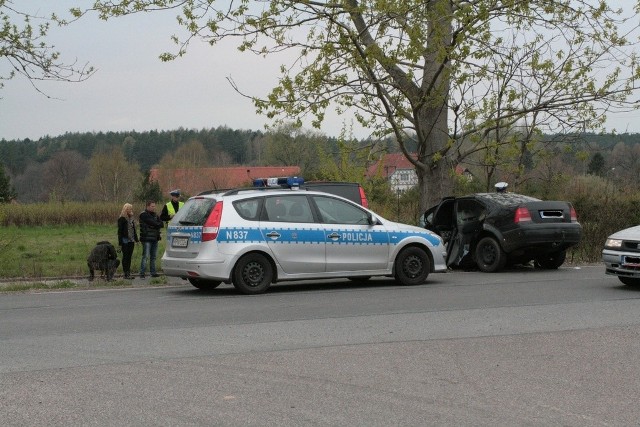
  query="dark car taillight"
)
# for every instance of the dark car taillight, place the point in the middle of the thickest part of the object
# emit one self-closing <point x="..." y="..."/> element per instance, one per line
<point x="522" y="215"/>
<point x="574" y="215"/>
<point x="212" y="224"/>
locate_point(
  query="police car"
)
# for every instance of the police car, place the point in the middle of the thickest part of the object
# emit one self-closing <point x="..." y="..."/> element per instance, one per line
<point x="258" y="236"/>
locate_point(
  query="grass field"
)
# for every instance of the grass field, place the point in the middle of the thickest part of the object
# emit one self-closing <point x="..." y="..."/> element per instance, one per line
<point x="57" y="250"/>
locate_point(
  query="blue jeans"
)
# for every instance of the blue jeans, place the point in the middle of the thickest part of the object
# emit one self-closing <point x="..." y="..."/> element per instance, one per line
<point x="149" y="249"/>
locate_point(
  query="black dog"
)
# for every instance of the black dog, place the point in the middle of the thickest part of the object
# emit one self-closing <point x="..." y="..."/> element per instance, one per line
<point x="104" y="258"/>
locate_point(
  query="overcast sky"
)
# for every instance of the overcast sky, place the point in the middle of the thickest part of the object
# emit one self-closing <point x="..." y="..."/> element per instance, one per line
<point x="133" y="90"/>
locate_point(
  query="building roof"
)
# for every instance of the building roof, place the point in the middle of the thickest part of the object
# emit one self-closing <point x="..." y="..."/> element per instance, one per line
<point x="388" y="164"/>
<point x="195" y="180"/>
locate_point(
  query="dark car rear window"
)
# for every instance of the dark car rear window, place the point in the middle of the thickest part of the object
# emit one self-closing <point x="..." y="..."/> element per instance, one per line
<point x="348" y="190"/>
<point x="507" y="199"/>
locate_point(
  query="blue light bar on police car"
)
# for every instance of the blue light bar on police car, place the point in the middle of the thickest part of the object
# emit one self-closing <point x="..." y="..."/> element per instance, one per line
<point x="284" y="182"/>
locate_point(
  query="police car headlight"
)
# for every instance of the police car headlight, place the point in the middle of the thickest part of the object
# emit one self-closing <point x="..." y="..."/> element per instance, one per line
<point x="613" y="244"/>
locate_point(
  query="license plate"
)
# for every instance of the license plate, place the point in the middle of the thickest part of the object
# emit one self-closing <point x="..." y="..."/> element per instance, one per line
<point x="631" y="261"/>
<point x="180" y="242"/>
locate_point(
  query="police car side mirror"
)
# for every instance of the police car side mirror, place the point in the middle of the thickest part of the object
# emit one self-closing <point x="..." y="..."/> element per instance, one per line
<point x="372" y="220"/>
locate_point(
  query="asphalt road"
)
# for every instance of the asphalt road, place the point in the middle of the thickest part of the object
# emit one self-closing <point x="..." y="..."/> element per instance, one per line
<point x="522" y="347"/>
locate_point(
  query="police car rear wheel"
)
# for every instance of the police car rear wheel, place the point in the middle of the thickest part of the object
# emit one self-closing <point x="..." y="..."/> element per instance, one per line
<point x="204" y="284"/>
<point x="412" y="266"/>
<point x="253" y="274"/>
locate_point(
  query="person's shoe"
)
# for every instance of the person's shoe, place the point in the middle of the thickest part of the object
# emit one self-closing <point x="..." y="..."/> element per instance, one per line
<point x="142" y="276"/>
<point x="155" y="275"/>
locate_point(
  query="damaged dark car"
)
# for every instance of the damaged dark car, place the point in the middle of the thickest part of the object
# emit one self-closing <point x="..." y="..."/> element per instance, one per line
<point x="489" y="231"/>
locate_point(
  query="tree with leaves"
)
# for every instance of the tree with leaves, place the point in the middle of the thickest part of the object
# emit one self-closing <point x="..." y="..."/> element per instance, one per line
<point x="443" y="74"/>
<point x="30" y="184"/>
<point x="596" y="165"/>
<point x="148" y="189"/>
<point x="24" y="48"/>
<point x="189" y="155"/>
<point x="111" y="177"/>
<point x="289" y="145"/>
<point x="7" y="192"/>
<point x="63" y="174"/>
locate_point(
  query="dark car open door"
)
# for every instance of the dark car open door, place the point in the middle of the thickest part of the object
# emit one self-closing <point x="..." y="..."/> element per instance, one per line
<point x="469" y="215"/>
<point x="440" y="218"/>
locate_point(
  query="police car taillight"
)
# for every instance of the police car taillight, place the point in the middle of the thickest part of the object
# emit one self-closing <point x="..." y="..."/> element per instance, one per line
<point x="292" y="182"/>
<point x="522" y="215"/>
<point x="363" y="198"/>
<point x="212" y="224"/>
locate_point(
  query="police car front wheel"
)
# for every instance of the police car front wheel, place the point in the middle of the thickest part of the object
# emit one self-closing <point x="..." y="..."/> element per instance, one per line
<point x="253" y="274"/>
<point x="412" y="266"/>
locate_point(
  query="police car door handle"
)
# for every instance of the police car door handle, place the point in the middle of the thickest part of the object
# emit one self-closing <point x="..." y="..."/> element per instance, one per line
<point x="273" y="234"/>
<point x="334" y="236"/>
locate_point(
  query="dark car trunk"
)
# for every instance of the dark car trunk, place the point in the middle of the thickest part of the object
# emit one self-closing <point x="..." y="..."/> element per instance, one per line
<point x="549" y="211"/>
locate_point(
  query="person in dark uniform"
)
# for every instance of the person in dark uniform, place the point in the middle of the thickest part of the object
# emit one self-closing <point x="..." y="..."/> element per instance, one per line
<point x="127" y="237"/>
<point x="172" y="206"/>
<point x="150" y="226"/>
<point x="103" y="257"/>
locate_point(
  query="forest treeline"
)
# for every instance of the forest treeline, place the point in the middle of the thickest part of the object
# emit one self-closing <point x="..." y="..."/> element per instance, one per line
<point x="225" y="145"/>
<point x="144" y="148"/>
<point x="113" y="166"/>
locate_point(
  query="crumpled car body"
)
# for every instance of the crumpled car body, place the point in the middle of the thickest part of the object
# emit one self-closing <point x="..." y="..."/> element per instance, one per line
<point x="490" y="230"/>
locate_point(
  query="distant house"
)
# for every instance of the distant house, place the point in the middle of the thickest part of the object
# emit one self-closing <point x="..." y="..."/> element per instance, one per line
<point x="400" y="172"/>
<point x="464" y="172"/>
<point x="397" y="170"/>
<point x="192" y="181"/>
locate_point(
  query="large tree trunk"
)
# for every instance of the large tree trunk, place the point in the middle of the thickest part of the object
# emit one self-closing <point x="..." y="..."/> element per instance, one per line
<point x="431" y="112"/>
<point x="434" y="183"/>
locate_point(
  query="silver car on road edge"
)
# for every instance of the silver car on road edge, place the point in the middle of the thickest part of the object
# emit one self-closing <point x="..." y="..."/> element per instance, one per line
<point x="621" y="255"/>
<point x="254" y="237"/>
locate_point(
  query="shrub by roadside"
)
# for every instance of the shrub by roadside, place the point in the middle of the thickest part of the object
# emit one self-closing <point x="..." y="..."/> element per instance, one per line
<point x="69" y="213"/>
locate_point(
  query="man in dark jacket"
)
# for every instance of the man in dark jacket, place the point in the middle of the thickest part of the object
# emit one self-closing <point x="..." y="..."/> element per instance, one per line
<point x="150" y="226"/>
<point x="104" y="258"/>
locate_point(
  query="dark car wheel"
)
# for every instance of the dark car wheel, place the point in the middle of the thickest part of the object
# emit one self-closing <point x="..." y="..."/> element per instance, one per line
<point x="489" y="255"/>
<point x="204" y="284"/>
<point x="412" y="266"/>
<point x="253" y="274"/>
<point x="551" y="261"/>
<point x="630" y="281"/>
